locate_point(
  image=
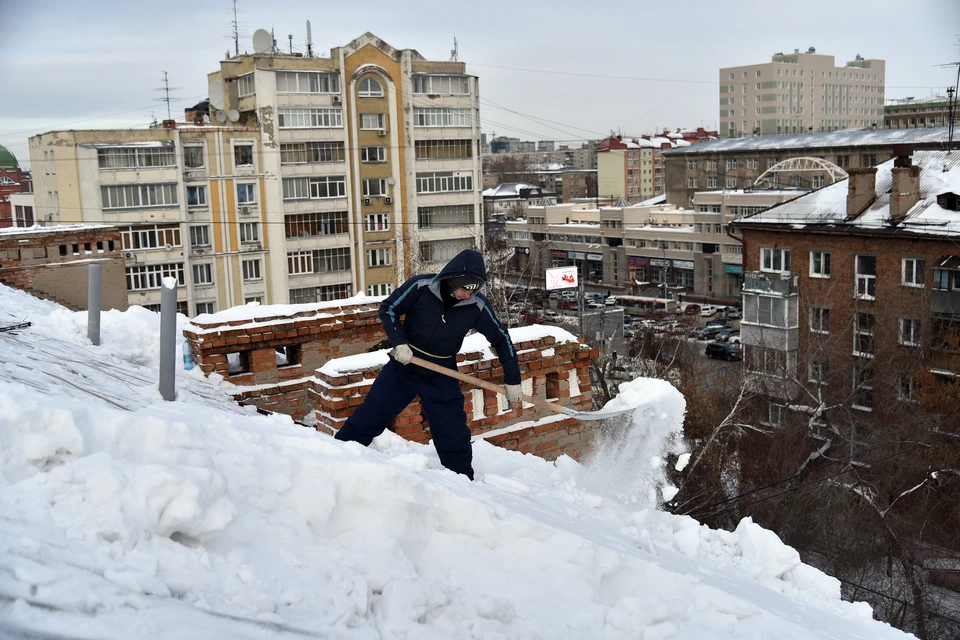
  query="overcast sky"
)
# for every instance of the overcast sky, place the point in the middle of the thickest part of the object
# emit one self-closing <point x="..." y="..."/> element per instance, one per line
<point x="574" y="70"/>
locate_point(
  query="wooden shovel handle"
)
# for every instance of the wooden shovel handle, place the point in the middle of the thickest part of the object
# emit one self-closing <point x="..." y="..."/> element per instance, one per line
<point x="477" y="382"/>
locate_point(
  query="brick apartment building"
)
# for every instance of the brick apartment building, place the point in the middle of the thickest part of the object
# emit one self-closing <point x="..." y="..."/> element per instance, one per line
<point x="853" y="291"/>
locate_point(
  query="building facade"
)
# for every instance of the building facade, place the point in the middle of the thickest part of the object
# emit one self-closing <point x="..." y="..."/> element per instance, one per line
<point x="801" y="92"/>
<point x="737" y="163"/>
<point x="917" y="113"/>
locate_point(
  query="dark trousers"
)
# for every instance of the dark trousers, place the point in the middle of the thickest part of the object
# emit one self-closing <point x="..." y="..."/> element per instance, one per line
<point x="442" y="401"/>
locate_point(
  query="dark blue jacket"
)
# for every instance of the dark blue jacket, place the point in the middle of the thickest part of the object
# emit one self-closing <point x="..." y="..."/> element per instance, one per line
<point x="436" y="335"/>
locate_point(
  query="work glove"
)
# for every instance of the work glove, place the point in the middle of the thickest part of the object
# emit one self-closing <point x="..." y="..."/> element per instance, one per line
<point x="402" y="354"/>
<point x="514" y="393"/>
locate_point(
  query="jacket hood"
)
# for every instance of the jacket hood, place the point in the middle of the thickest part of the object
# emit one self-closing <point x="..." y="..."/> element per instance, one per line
<point x="466" y="263"/>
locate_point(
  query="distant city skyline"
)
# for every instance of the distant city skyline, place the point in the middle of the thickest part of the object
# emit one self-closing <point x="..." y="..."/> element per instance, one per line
<point x="547" y="71"/>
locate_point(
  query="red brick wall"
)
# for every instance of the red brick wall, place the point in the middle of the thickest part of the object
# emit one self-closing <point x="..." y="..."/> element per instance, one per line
<point x="32" y="261"/>
<point x="346" y="329"/>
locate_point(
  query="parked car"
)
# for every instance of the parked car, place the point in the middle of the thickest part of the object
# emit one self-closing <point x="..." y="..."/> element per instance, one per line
<point x="619" y="372"/>
<point x="734" y="313"/>
<point x="594" y="305"/>
<point x="726" y="334"/>
<point x="707" y="333"/>
<point x="554" y="295"/>
<point x="720" y="322"/>
<point x="550" y="315"/>
<point x="610" y="301"/>
<point x="691" y="310"/>
<point x="532" y="317"/>
<point x="708" y="310"/>
<point x="724" y="351"/>
<point x="568" y="295"/>
<point x="567" y="304"/>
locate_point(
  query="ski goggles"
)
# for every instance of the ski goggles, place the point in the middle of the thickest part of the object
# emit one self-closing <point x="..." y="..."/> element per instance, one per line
<point x="472" y="286"/>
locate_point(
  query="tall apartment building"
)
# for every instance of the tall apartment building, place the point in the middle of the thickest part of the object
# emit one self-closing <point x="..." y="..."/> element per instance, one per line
<point x="632" y="168"/>
<point x="371" y="163"/>
<point x="311" y="179"/>
<point x="800" y="92"/>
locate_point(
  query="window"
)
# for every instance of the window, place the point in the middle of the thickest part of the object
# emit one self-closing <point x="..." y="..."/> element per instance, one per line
<point x="711" y="165"/>
<point x="775" y="260"/>
<point x="731" y="164"/>
<point x="136" y="158"/>
<point x="249" y="299"/>
<point x="370" y="88"/>
<point x="379" y="257"/>
<point x="137" y="196"/>
<point x="868" y="160"/>
<point x="374" y="187"/>
<point x="691" y="183"/>
<point x="766" y="360"/>
<point x="443" y="149"/>
<point x="912" y="272"/>
<point x="205" y="307"/>
<point x="863" y="327"/>
<point x="251" y="269"/>
<point x="202" y="274"/>
<point x="318" y="261"/>
<point x="200" y="236"/>
<point x="692" y="165"/>
<point x="775" y="415"/>
<point x="819" y="320"/>
<point x="444" y="250"/>
<point x="245" y="194"/>
<point x="380" y="289"/>
<point x="371" y="121"/>
<point x="377" y="222"/>
<point x="243" y="155"/>
<point x="373" y="154"/>
<point x="245" y="85"/>
<point x="317" y="118"/>
<point x="24" y="216"/>
<point x="712" y="182"/>
<point x="249" y="232"/>
<point x="306" y="225"/>
<point x="910" y="332"/>
<point x="440" y="182"/>
<point x="311" y="152"/>
<point x="307" y="82"/>
<point x="819" y="264"/>
<point x="150" y="276"/>
<point x="150" y="237"/>
<point x="907" y="388"/>
<point x="320" y="294"/>
<point x="863" y="387"/>
<point x="327" y="187"/>
<point x="437" y="117"/>
<point x="196" y="196"/>
<point x="193" y="157"/>
<point x="449" y="85"/>
<point x="731" y="183"/>
<point x="817" y="371"/>
<point x="866" y="277"/>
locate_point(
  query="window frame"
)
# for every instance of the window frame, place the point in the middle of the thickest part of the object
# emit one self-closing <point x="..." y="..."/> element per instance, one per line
<point x="864" y="332"/>
<point x="911" y="337"/>
<point x="380" y="156"/>
<point x="819" y="264"/>
<point x="369" y="92"/>
<point x="820" y="320"/>
<point x="248" y="191"/>
<point x="913" y="273"/>
<point x="379" y="257"/>
<point x="771" y="256"/>
<point x="251" y="270"/>
<point x="365" y="119"/>
<point x="868" y="290"/>
<point x="202" y="274"/>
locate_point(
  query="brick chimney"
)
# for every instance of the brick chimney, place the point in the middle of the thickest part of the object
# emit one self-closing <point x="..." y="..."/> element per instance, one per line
<point x="905" y="191"/>
<point x="861" y="190"/>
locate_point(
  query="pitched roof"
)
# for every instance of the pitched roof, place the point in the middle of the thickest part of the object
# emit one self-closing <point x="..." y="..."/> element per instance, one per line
<point x="844" y="138"/>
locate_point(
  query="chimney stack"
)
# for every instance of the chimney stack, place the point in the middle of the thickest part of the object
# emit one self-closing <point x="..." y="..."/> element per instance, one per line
<point x="905" y="190"/>
<point x="861" y="190"/>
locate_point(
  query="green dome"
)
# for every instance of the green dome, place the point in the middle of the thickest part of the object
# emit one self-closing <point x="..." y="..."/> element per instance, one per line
<point x="7" y="159"/>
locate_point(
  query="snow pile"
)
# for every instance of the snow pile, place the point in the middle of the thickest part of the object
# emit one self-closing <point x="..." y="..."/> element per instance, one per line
<point x="193" y="519"/>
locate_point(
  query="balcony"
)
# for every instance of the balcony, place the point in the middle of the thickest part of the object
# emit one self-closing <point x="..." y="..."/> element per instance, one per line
<point x="945" y="302"/>
<point x="782" y="284"/>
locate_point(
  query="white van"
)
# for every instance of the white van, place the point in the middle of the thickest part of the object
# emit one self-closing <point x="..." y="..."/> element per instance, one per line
<point x="708" y="310"/>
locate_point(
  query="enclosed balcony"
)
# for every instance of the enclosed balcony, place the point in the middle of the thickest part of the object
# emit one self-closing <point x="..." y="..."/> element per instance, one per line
<point x="779" y="284"/>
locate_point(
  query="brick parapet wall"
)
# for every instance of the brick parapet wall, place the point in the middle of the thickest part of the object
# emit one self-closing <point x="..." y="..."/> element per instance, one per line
<point x="55" y="264"/>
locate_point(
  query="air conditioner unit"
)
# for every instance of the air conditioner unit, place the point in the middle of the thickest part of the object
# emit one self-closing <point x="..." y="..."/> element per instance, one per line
<point x="246" y="211"/>
<point x="197" y="252"/>
<point x="382" y="132"/>
<point x="388" y="200"/>
<point x="366" y="201"/>
<point x="129" y="255"/>
<point x="168" y="247"/>
<point x="336" y="99"/>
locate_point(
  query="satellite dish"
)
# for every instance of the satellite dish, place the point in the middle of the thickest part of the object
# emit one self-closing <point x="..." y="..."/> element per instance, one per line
<point x="220" y="116"/>
<point x="262" y="41"/>
<point x="233" y="115"/>
<point x="215" y="91"/>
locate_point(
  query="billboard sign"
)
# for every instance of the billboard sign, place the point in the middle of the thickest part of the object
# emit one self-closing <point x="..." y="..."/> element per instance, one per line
<point x="562" y="278"/>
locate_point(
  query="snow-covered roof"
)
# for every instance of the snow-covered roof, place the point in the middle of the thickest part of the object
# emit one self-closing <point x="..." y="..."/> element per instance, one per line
<point x="512" y="190"/>
<point x="59" y="228"/>
<point x="845" y="138"/>
<point x="939" y="173"/>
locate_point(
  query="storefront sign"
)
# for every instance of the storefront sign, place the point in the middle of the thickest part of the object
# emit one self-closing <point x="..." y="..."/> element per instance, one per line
<point x="657" y="262"/>
<point x="636" y="262"/>
<point x="559" y="254"/>
<point x="596" y="257"/>
<point x="575" y="255"/>
<point x="734" y="268"/>
<point x="683" y="264"/>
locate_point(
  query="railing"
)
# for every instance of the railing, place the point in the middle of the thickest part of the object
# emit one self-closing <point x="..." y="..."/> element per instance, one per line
<point x="945" y="302"/>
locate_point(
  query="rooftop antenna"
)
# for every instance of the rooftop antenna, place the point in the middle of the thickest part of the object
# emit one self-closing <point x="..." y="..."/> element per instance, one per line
<point x="166" y="88"/>
<point x="455" y="51"/>
<point x="953" y="94"/>
<point x="290" y="42"/>
<point x="309" y="41"/>
<point x="236" y="30"/>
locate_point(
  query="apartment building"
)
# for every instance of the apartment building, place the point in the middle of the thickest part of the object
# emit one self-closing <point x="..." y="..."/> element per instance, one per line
<point x="186" y="198"/>
<point x="632" y="168"/>
<point x="306" y="179"/>
<point x="853" y="291"/>
<point x="800" y="92"/>
<point x="372" y="160"/>
<point x="736" y="163"/>
<point x="914" y="113"/>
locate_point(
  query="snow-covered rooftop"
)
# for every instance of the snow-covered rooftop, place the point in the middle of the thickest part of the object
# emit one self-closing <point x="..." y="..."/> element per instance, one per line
<point x="122" y="516"/>
<point x="59" y="228"/>
<point x="829" y="205"/>
<point x="844" y="138"/>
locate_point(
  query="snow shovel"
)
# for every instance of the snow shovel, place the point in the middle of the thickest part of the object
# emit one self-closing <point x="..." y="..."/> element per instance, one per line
<point x="537" y="402"/>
